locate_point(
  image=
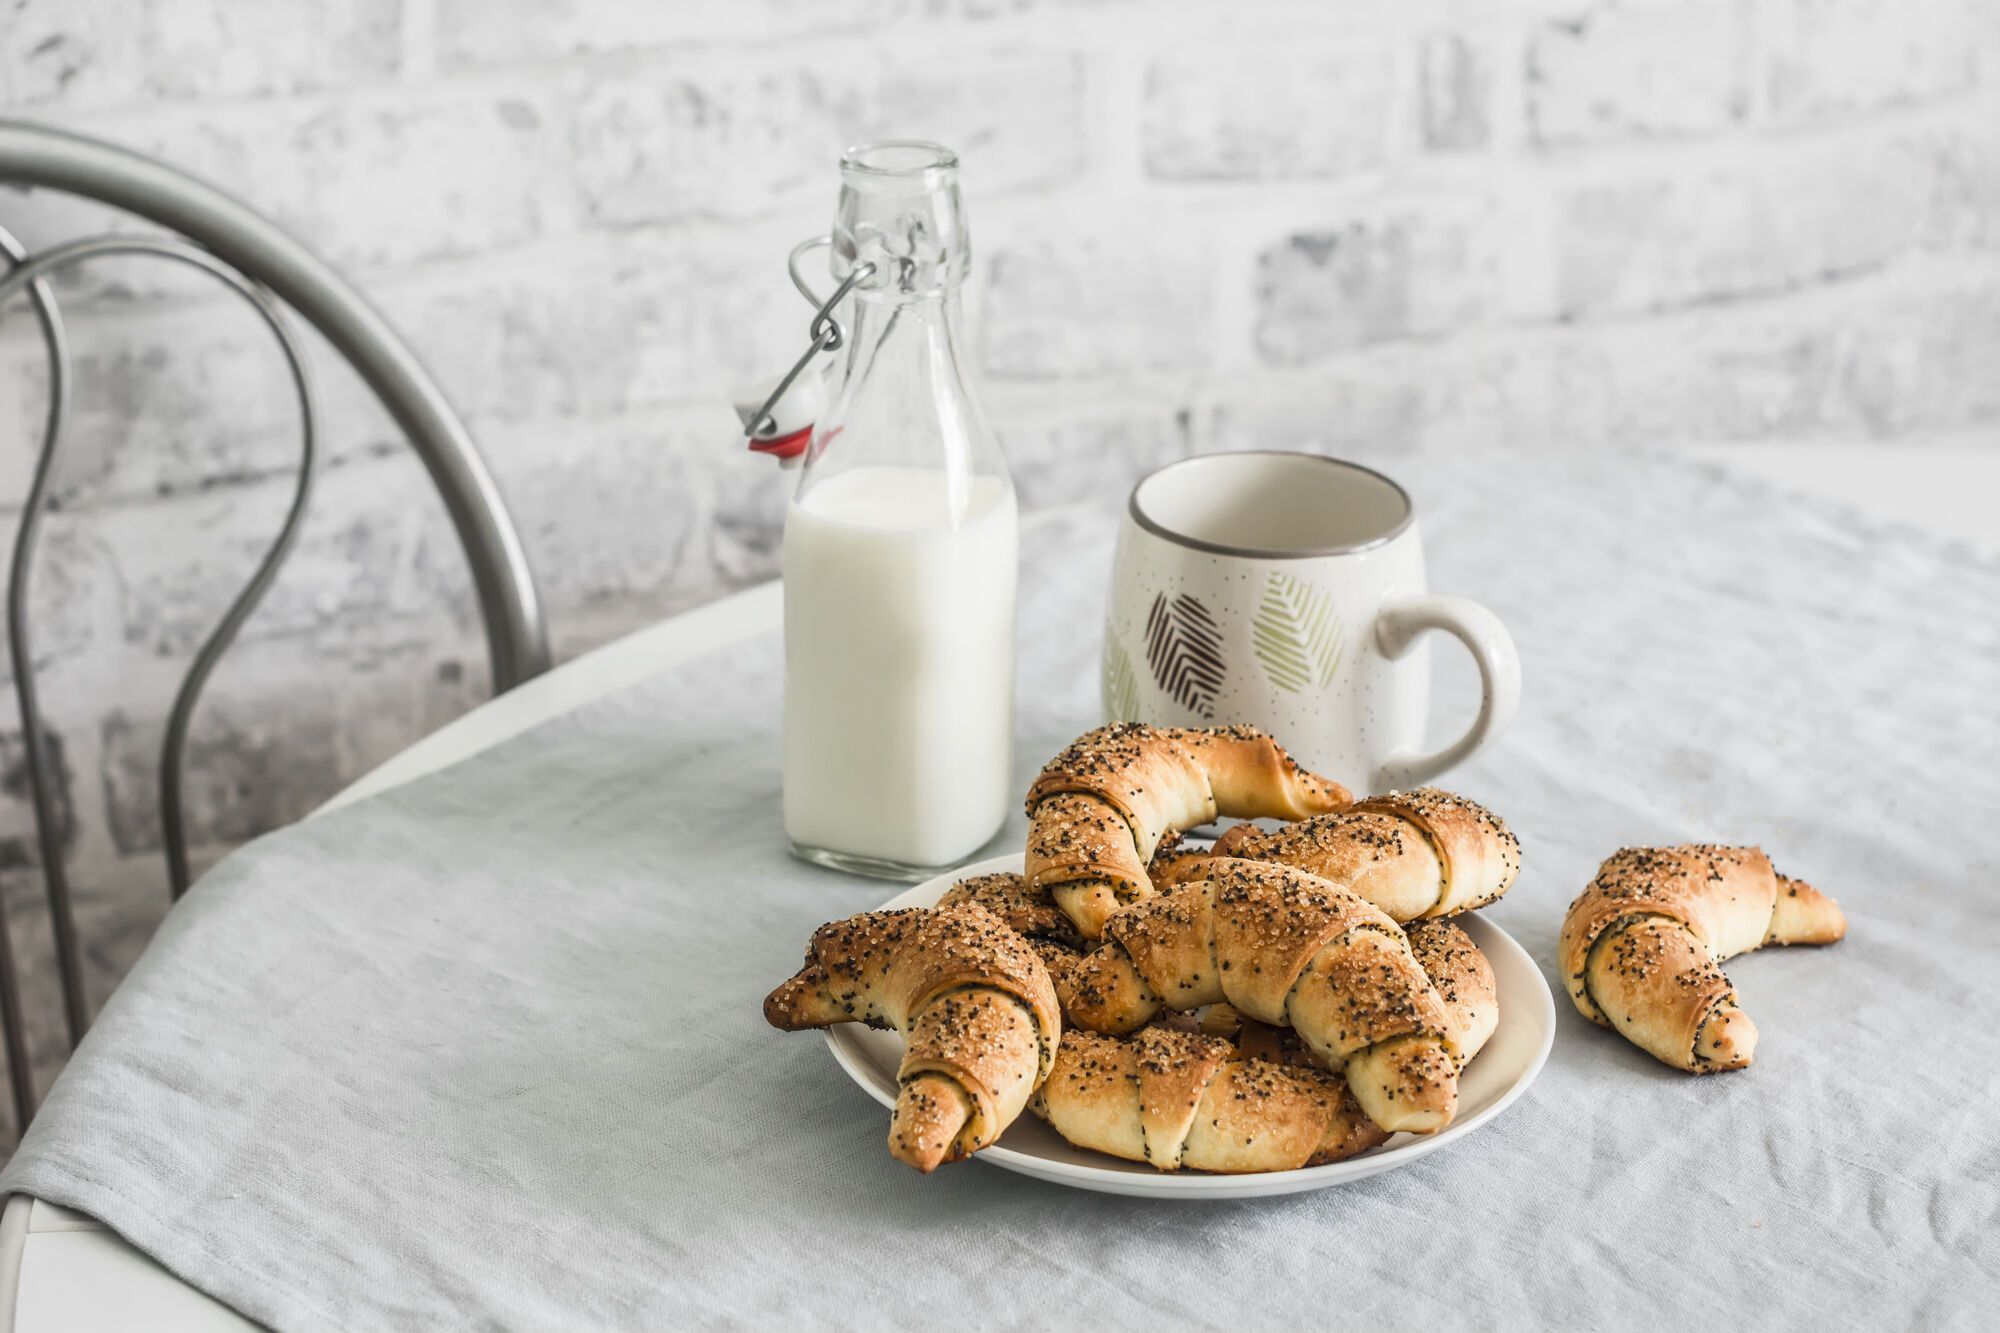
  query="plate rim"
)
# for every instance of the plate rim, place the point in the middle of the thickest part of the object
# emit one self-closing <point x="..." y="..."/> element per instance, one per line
<point x="842" y="1041"/>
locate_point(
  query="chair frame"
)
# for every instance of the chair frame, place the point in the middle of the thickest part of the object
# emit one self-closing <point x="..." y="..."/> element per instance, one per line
<point x="273" y="272"/>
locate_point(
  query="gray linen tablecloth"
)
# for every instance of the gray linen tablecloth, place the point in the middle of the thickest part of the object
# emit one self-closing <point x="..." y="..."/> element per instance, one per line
<point x="486" y="1051"/>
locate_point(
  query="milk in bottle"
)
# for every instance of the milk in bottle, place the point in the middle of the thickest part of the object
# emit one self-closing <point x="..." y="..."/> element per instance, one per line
<point x="900" y="553"/>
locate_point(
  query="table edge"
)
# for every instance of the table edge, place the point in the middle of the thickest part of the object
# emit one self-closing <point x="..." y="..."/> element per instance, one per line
<point x="609" y="667"/>
<point x="13" y="1251"/>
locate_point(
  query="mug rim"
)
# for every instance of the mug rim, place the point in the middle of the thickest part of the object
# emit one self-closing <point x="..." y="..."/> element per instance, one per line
<point x="1146" y="521"/>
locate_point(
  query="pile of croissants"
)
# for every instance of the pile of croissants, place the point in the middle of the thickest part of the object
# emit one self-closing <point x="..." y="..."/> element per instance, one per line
<point x="1280" y="999"/>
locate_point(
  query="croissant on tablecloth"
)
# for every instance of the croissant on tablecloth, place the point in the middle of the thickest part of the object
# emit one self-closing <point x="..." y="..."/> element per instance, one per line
<point x="1639" y="946"/>
<point x="1290" y="949"/>
<point x="1100" y="808"/>
<point x="975" y="1006"/>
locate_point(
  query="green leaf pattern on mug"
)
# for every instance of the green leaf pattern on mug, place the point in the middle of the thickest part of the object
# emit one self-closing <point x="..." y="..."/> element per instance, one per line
<point x="1121" y="683"/>
<point x="1296" y="634"/>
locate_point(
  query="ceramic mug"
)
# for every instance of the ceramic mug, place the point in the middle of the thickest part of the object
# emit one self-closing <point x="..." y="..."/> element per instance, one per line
<point x="1287" y="590"/>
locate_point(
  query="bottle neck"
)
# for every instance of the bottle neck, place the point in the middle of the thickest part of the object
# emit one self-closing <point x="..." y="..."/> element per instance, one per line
<point x="930" y="302"/>
<point x="906" y="347"/>
<point x="899" y="212"/>
<point x="903" y="397"/>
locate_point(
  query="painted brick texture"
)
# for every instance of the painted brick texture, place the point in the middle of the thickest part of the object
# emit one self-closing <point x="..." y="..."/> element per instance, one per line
<point x="1430" y="224"/>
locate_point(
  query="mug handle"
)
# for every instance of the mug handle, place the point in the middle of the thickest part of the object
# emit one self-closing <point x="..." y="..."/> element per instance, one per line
<point x="1397" y="628"/>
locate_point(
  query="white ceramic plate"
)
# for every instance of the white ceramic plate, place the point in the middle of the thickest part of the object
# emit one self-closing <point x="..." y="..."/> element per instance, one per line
<point x="1497" y="1075"/>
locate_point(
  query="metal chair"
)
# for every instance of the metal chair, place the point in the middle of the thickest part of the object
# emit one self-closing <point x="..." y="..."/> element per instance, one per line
<point x="274" y="273"/>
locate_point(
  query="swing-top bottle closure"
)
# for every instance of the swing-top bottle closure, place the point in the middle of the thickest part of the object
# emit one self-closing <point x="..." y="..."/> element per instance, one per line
<point x="898" y="232"/>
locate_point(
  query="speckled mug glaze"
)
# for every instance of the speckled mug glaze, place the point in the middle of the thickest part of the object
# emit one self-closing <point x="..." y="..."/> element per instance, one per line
<point x="1287" y="590"/>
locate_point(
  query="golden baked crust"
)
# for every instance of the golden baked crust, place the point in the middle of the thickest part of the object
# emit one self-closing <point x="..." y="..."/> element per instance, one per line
<point x="1640" y="946"/>
<point x="1101" y="808"/>
<point x="1026" y="910"/>
<point x="1175" y="862"/>
<point x="1414" y="854"/>
<point x="1478" y="854"/>
<point x="1081" y="853"/>
<point x="1456" y="966"/>
<point x="1179" y="1100"/>
<point x="1464" y="980"/>
<point x="1286" y="948"/>
<point x="973" y="1001"/>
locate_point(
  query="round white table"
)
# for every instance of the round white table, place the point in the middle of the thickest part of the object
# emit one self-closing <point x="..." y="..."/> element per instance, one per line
<point x="61" y="1270"/>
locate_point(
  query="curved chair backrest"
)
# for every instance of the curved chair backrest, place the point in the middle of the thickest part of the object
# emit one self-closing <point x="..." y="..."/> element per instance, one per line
<point x="247" y="253"/>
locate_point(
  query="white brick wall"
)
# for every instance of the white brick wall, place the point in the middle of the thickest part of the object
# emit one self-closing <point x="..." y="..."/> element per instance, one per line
<point x="1412" y="223"/>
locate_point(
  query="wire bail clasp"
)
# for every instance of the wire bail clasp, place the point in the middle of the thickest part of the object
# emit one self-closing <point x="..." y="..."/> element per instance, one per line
<point x="826" y="332"/>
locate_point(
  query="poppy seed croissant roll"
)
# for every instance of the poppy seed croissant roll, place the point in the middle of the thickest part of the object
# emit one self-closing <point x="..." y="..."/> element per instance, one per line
<point x="1639" y="946"/>
<point x="974" y="1004"/>
<point x="1100" y="808"/>
<point x="1182" y="1100"/>
<point x="1289" y="949"/>
<point x="1415" y="854"/>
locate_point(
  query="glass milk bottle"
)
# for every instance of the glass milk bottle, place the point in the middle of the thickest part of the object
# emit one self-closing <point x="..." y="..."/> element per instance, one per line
<point x="900" y="552"/>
